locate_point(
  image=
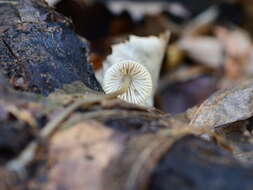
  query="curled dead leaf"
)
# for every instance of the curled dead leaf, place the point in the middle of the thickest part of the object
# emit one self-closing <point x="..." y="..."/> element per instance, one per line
<point x="225" y="106"/>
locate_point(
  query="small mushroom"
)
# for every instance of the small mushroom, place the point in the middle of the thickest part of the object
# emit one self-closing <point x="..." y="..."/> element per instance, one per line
<point x="133" y="76"/>
<point x="132" y="70"/>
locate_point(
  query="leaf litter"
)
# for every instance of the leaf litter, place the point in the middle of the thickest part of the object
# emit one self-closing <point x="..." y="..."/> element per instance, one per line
<point x="78" y="138"/>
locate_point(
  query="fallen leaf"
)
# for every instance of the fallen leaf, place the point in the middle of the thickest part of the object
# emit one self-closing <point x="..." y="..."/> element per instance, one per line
<point x="204" y="50"/>
<point x="78" y="156"/>
<point x="225" y="106"/>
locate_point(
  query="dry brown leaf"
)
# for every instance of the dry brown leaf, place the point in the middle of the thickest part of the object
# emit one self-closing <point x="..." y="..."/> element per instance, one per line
<point x="225" y="106"/>
<point x="205" y="50"/>
<point x="237" y="41"/>
<point x="78" y="156"/>
<point x="237" y="48"/>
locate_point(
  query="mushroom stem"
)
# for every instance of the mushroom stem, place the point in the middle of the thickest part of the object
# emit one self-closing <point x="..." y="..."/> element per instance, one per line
<point x="140" y="58"/>
<point x="124" y="88"/>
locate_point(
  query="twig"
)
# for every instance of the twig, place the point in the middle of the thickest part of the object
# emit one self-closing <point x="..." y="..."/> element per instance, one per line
<point x="20" y="163"/>
<point x="23" y="115"/>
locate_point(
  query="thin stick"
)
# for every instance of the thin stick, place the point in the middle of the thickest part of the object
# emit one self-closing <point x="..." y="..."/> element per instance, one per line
<point x="19" y="164"/>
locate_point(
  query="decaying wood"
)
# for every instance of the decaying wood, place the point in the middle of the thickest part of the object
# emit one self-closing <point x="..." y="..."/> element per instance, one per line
<point x="184" y="165"/>
<point x="80" y="138"/>
<point x="39" y="50"/>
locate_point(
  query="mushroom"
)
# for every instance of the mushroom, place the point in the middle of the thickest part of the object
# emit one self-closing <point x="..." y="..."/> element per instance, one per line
<point x="132" y="78"/>
<point x="132" y="70"/>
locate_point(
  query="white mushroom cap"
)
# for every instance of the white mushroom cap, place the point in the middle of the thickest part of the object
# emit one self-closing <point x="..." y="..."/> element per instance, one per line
<point x="140" y="86"/>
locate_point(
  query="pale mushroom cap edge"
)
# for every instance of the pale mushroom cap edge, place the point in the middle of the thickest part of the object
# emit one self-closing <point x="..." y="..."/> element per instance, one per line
<point x="140" y="87"/>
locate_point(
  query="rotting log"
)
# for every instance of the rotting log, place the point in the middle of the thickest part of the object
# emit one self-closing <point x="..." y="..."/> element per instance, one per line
<point x="39" y="50"/>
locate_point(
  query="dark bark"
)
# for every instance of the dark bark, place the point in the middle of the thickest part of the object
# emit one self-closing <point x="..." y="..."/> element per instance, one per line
<point x="192" y="163"/>
<point x="39" y="50"/>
